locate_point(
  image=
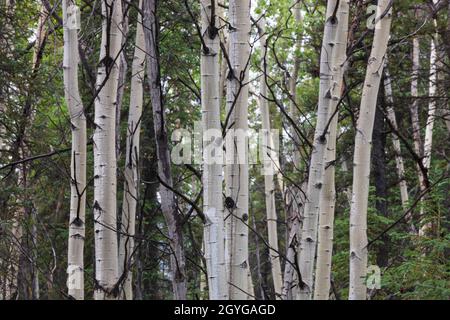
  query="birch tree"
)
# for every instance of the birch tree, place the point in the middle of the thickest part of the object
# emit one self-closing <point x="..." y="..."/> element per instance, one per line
<point x="404" y="197"/>
<point x="426" y="225"/>
<point x="269" y="165"/>
<point x="395" y="140"/>
<point x="293" y="197"/>
<point x="105" y="215"/>
<point x="361" y="161"/>
<point x="131" y="172"/>
<point x="75" y="269"/>
<point x="214" y="229"/>
<point x="328" y="194"/>
<point x="414" y="111"/>
<point x="237" y="182"/>
<point x="168" y="201"/>
<point x="308" y="243"/>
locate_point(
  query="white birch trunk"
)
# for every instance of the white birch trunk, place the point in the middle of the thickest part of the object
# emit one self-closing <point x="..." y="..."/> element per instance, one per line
<point x="395" y="140"/>
<point x="328" y="194"/>
<point x="131" y="172"/>
<point x="75" y="268"/>
<point x="105" y="215"/>
<point x="432" y="89"/>
<point x="426" y="225"/>
<point x="290" y="277"/>
<point x="414" y="110"/>
<point x="361" y="161"/>
<point x="237" y="104"/>
<point x="308" y="243"/>
<point x="293" y="197"/>
<point x="404" y="197"/>
<point x="269" y="164"/>
<point x="214" y="229"/>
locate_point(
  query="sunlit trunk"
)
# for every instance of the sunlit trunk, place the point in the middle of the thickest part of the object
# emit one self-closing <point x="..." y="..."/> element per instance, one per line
<point x="75" y="268"/>
<point x="131" y="172"/>
<point x="308" y="242"/>
<point x="328" y="194"/>
<point x="214" y="229"/>
<point x="105" y="182"/>
<point x="361" y="161"/>
<point x="269" y="164"/>
<point x="237" y="107"/>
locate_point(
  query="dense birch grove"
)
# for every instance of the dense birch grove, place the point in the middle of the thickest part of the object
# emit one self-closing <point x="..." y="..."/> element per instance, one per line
<point x="224" y="149"/>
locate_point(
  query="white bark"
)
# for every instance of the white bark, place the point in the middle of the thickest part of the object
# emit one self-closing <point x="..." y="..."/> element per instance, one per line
<point x="414" y="110"/>
<point x="395" y="140"/>
<point x="75" y="269"/>
<point x="361" y="161"/>
<point x="269" y="163"/>
<point x="237" y="104"/>
<point x="328" y="194"/>
<point x="105" y="215"/>
<point x="432" y="106"/>
<point x="293" y="197"/>
<point x="131" y="172"/>
<point x="397" y="149"/>
<point x="308" y="243"/>
<point x="214" y="229"/>
<point x="428" y="142"/>
<point x="290" y="278"/>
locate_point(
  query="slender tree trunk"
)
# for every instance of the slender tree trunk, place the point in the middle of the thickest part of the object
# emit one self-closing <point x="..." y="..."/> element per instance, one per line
<point x="269" y="165"/>
<point x="214" y="230"/>
<point x="223" y="38"/>
<point x="379" y="179"/>
<point x="426" y="224"/>
<point x="75" y="268"/>
<point x="328" y="194"/>
<point x="131" y="172"/>
<point x="123" y="68"/>
<point x="237" y="107"/>
<point x="168" y="204"/>
<point x="397" y="149"/>
<point x="361" y="161"/>
<point x="395" y="140"/>
<point x="308" y="243"/>
<point x="414" y="110"/>
<point x="414" y="95"/>
<point x="290" y="276"/>
<point x="105" y="184"/>
<point x="293" y="197"/>
<point x="293" y="82"/>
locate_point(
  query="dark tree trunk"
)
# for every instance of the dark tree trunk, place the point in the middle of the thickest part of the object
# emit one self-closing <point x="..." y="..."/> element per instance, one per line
<point x="379" y="178"/>
<point x="168" y="201"/>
